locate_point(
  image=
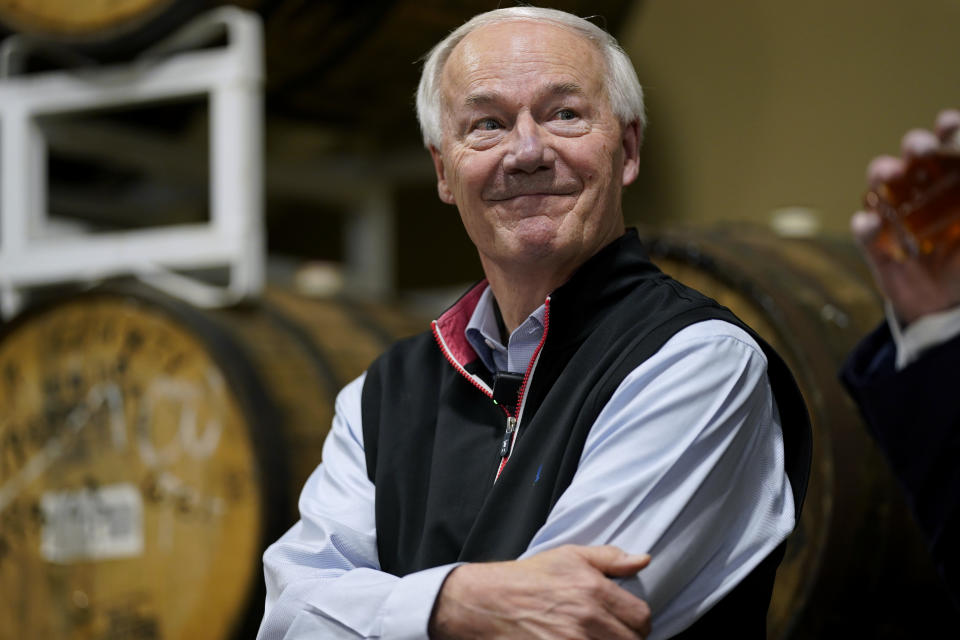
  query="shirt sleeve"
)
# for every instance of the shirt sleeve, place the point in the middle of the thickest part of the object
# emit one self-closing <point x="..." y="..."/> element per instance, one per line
<point x="922" y="334"/>
<point x="685" y="462"/>
<point x="323" y="576"/>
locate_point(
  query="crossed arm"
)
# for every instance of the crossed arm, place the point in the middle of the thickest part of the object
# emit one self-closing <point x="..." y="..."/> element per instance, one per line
<point x="685" y="464"/>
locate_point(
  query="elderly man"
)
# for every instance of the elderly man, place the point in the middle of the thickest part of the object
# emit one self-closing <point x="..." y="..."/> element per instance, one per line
<point x="575" y="414"/>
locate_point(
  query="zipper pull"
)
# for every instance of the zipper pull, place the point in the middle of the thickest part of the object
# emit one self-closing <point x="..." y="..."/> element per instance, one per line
<point x="505" y="444"/>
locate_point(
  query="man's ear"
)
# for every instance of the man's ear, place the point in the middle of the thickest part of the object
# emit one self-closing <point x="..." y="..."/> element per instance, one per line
<point x="442" y="189"/>
<point x="632" y="137"/>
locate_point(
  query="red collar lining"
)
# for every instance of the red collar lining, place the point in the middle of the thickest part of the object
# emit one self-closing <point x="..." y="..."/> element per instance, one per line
<point x="452" y="325"/>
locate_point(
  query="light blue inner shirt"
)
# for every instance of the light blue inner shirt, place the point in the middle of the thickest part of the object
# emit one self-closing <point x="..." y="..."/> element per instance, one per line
<point x="484" y="336"/>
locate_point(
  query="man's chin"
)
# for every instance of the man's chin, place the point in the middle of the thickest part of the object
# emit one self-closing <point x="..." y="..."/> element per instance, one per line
<point x="533" y="239"/>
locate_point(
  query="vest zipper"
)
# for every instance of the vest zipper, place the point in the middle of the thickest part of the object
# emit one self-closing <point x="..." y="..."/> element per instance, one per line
<point x="505" y="444"/>
<point x="513" y="423"/>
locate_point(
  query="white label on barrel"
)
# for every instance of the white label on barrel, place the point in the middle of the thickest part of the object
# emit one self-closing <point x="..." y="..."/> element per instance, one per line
<point x="92" y="524"/>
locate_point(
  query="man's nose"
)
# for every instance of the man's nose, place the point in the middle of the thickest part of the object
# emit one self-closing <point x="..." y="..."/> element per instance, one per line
<point x="529" y="149"/>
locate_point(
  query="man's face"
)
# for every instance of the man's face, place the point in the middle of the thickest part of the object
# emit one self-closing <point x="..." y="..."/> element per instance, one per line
<point x="532" y="154"/>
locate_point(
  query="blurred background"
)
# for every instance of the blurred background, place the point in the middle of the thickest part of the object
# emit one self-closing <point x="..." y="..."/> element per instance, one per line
<point x="159" y="412"/>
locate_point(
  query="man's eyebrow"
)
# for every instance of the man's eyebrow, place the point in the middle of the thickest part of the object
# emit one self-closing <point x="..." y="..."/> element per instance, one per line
<point x="565" y="89"/>
<point x="477" y="99"/>
<point x="556" y="89"/>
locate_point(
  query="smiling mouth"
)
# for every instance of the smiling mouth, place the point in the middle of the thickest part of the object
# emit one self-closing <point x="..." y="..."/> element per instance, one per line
<point x="536" y="194"/>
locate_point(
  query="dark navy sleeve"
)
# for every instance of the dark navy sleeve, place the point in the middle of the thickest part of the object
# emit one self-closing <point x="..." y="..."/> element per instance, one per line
<point x="914" y="415"/>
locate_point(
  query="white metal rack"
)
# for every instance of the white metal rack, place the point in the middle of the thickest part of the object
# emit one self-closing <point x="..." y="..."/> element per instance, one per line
<point x="232" y="78"/>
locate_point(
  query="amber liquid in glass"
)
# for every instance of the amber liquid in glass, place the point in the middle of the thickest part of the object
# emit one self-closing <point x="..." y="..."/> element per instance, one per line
<point x="921" y="210"/>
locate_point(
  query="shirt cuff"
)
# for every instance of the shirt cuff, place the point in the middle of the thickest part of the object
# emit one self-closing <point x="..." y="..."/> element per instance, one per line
<point x="922" y="334"/>
<point x="407" y="610"/>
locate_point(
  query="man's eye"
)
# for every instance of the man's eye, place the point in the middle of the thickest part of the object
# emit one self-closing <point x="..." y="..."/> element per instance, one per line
<point x="487" y="124"/>
<point x="566" y="114"/>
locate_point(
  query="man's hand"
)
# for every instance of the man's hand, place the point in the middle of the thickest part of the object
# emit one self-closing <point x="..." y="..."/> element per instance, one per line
<point x="912" y="285"/>
<point x="561" y="593"/>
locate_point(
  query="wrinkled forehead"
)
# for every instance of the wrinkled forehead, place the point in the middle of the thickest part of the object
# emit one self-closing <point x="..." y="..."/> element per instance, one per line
<point x="522" y="54"/>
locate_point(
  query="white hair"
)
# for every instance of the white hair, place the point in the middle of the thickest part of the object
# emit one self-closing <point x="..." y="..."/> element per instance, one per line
<point x="620" y="80"/>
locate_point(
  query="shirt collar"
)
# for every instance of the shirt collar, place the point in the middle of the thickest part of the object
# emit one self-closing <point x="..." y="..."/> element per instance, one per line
<point x="484" y="335"/>
<point x="482" y="331"/>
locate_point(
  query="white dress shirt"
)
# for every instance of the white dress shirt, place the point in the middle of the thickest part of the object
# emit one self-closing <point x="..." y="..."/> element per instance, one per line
<point x="685" y="462"/>
<point x="921" y="334"/>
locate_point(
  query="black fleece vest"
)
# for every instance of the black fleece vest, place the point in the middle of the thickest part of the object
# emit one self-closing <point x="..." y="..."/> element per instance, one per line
<point x="432" y="438"/>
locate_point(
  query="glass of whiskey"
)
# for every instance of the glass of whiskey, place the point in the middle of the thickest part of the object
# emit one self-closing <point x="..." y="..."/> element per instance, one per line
<point x="920" y="210"/>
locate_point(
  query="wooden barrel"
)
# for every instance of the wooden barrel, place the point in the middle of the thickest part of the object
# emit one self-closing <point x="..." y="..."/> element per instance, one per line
<point x="149" y="451"/>
<point x="813" y="299"/>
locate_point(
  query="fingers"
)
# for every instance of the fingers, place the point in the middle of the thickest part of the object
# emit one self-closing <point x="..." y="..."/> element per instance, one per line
<point x="560" y="590"/>
<point x="624" y="614"/>
<point x="629" y="610"/>
<point x="947" y="126"/>
<point x="865" y="225"/>
<point x="881" y="256"/>
<point x="918" y="142"/>
<point x="910" y="284"/>
<point x="884" y="169"/>
<point x="613" y="561"/>
<point x="618" y="623"/>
